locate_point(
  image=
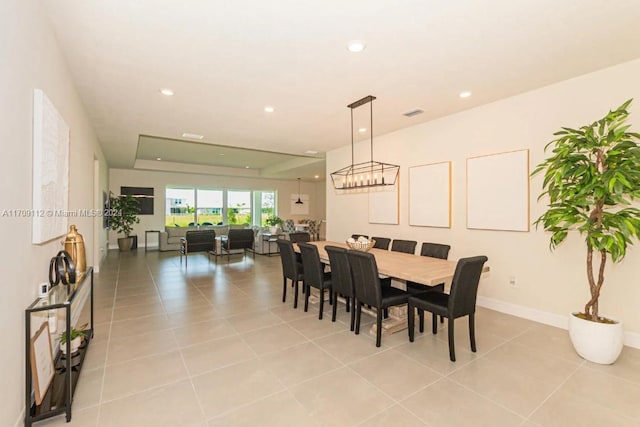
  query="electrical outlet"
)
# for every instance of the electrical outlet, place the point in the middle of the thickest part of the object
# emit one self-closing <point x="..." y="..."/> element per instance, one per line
<point x="512" y="281"/>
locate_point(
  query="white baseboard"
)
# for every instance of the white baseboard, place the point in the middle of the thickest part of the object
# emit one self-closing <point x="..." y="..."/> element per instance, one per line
<point x="631" y="339"/>
<point x="20" y="420"/>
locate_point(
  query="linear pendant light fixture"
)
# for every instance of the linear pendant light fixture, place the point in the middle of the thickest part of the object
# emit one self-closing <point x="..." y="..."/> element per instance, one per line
<point x="299" y="201"/>
<point x="365" y="174"/>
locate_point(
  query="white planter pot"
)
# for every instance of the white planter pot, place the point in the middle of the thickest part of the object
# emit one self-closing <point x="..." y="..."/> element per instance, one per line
<point x="596" y="342"/>
<point x="75" y="345"/>
<point x="273" y="230"/>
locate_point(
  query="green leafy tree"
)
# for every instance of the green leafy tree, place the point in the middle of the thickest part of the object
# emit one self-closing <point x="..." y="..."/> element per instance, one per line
<point x="125" y="211"/>
<point x="591" y="181"/>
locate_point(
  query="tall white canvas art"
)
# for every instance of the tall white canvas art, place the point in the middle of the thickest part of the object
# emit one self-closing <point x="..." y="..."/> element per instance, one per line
<point x="50" y="170"/>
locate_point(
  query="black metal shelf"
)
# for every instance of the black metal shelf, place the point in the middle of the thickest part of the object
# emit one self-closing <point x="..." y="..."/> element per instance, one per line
<point x="59" y="395"/>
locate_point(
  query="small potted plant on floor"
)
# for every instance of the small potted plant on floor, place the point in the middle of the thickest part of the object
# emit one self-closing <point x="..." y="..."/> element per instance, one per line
<point x="76" y="337"/>
<point x="274" y="222"/>
<point x="124" y="211"/>
<point x="591" y="181"/>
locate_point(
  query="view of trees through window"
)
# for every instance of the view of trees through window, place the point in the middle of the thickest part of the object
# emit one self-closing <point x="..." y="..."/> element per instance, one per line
<point x="191" y="206"/>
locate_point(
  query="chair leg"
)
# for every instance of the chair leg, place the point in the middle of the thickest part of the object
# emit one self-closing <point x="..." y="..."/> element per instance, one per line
<point x="441" y="319"/>
<point x="347" y="301"/>
<point x="434" y="323"/>
<point x="353" y="313"/>
<point x="452" y="350"/>
<point x="334" y="309"/>
<point x="386" y="313"/>
<point x="421" y="316"/>
<point x="284" y="289"/>
<point x="321" y="304"/>
<point x="295" y="293"/>
<point x="472" y="332"/>
<point x="358" y="313"/>
<point x="306" y="297"/>
<point x="379" y="327"/>
<point x="410" y="322"/>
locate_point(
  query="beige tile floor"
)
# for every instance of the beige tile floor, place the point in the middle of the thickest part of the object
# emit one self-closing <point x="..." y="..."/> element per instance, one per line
<point x="213" y="345"/>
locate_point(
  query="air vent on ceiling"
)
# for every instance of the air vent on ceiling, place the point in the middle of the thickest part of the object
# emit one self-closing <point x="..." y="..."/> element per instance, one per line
<point x="413" y="112"/>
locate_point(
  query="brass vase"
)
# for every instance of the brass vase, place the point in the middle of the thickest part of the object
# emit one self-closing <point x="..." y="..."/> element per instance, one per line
<point x="74" y="245"/>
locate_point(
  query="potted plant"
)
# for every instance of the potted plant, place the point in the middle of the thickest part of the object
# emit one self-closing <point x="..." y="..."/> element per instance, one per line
<point x="590" y="181"/>
<point x="124" y="211"/>
<point x="76" y="337"/>
<point x="274" y="222"/>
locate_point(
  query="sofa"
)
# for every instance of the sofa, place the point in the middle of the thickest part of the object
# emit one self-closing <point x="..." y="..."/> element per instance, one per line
<point x="170" y="237"/>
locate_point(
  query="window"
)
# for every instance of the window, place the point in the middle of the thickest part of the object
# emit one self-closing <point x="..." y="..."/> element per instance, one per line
<point x="190" y="206"/>
<point x="180" y="207"/>
<point x="238" y="207"/>
<point x="267" y="203"/>
<point x="210" y="207"/>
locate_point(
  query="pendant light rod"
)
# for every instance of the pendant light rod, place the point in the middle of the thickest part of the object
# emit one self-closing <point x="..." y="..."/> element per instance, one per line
<point x="299" y="201"/>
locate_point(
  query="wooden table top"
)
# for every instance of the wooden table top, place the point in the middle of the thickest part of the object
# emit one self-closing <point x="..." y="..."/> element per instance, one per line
<point x="421" y="269"/>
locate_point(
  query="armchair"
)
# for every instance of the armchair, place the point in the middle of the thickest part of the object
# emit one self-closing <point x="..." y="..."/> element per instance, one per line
<point x="238" y="239"/>
<point x="197" y="241"/>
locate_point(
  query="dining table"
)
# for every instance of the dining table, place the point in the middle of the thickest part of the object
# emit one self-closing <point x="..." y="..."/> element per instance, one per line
<point x="402" y="267"/>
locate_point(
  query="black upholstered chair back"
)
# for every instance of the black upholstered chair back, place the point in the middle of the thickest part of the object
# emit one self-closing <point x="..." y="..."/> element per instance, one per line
<point x="435" y="250"/>
<point x="240" y="239"/>
<point x="406" y="246"/>
<point x="201" y="240"/>
<point x="290" y="266"/>
<point x="366" y="281"/>
<point x="341" y="278"/>
<point x="311" y="265"/>
<point x="300" y="236"/>
<point x="381" y="243"/>
<point x="464" y="286"/>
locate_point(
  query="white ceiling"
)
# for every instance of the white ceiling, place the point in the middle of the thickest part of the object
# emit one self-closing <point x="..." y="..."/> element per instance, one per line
<point x="227" y="60"/>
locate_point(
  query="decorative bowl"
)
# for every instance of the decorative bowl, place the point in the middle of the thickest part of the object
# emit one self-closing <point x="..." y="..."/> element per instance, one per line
<point x="361" y="246"/>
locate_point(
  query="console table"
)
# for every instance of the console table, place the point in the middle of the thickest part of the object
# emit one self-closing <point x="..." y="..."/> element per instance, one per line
<point x="58" y="396"/>
<point x="146" y="233"/>
<point x="270" y="238"/>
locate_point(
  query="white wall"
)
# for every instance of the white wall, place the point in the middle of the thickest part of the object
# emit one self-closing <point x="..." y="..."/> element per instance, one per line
<point x="31" y="59"/>
<point x="549" y="285"/>
<point x="160" y="180"/>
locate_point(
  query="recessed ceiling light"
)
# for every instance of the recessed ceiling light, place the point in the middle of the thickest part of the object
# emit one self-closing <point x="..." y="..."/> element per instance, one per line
<point x="465" y="94"/>
<point x="269" y="109"/>
<point x="192" y="135"/>
<point x="220" y="154"/>
<point x="311" y="152"/>
<point x="356" y="46"/>
<point x="158" y="158"/>
<point x="246" y="167"/>
<point x="316" y="176"/>
<point x="166" y="91"/>
<point x="362" y="130"/>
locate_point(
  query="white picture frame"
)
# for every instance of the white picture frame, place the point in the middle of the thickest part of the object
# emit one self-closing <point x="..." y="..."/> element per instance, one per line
<point x="430" y="195"/>
<point x="42" y="367"/>
<point x="50" y="170"/>
<point x="498" y="191"/>
<point x="384" y="204"/>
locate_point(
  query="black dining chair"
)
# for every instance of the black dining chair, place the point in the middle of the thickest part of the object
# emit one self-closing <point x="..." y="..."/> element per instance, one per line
<point x="291" y="269"/>
<point x="433" y="250"/>
<point x="299" y="236"/>
<point x="461" y="301"/>
<point x="368" y="289"/>
<point x="381" y="243"/>
<point x="406" y="246"/>
<point x="314" y="275"/>
<point x="341" y="281"/>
